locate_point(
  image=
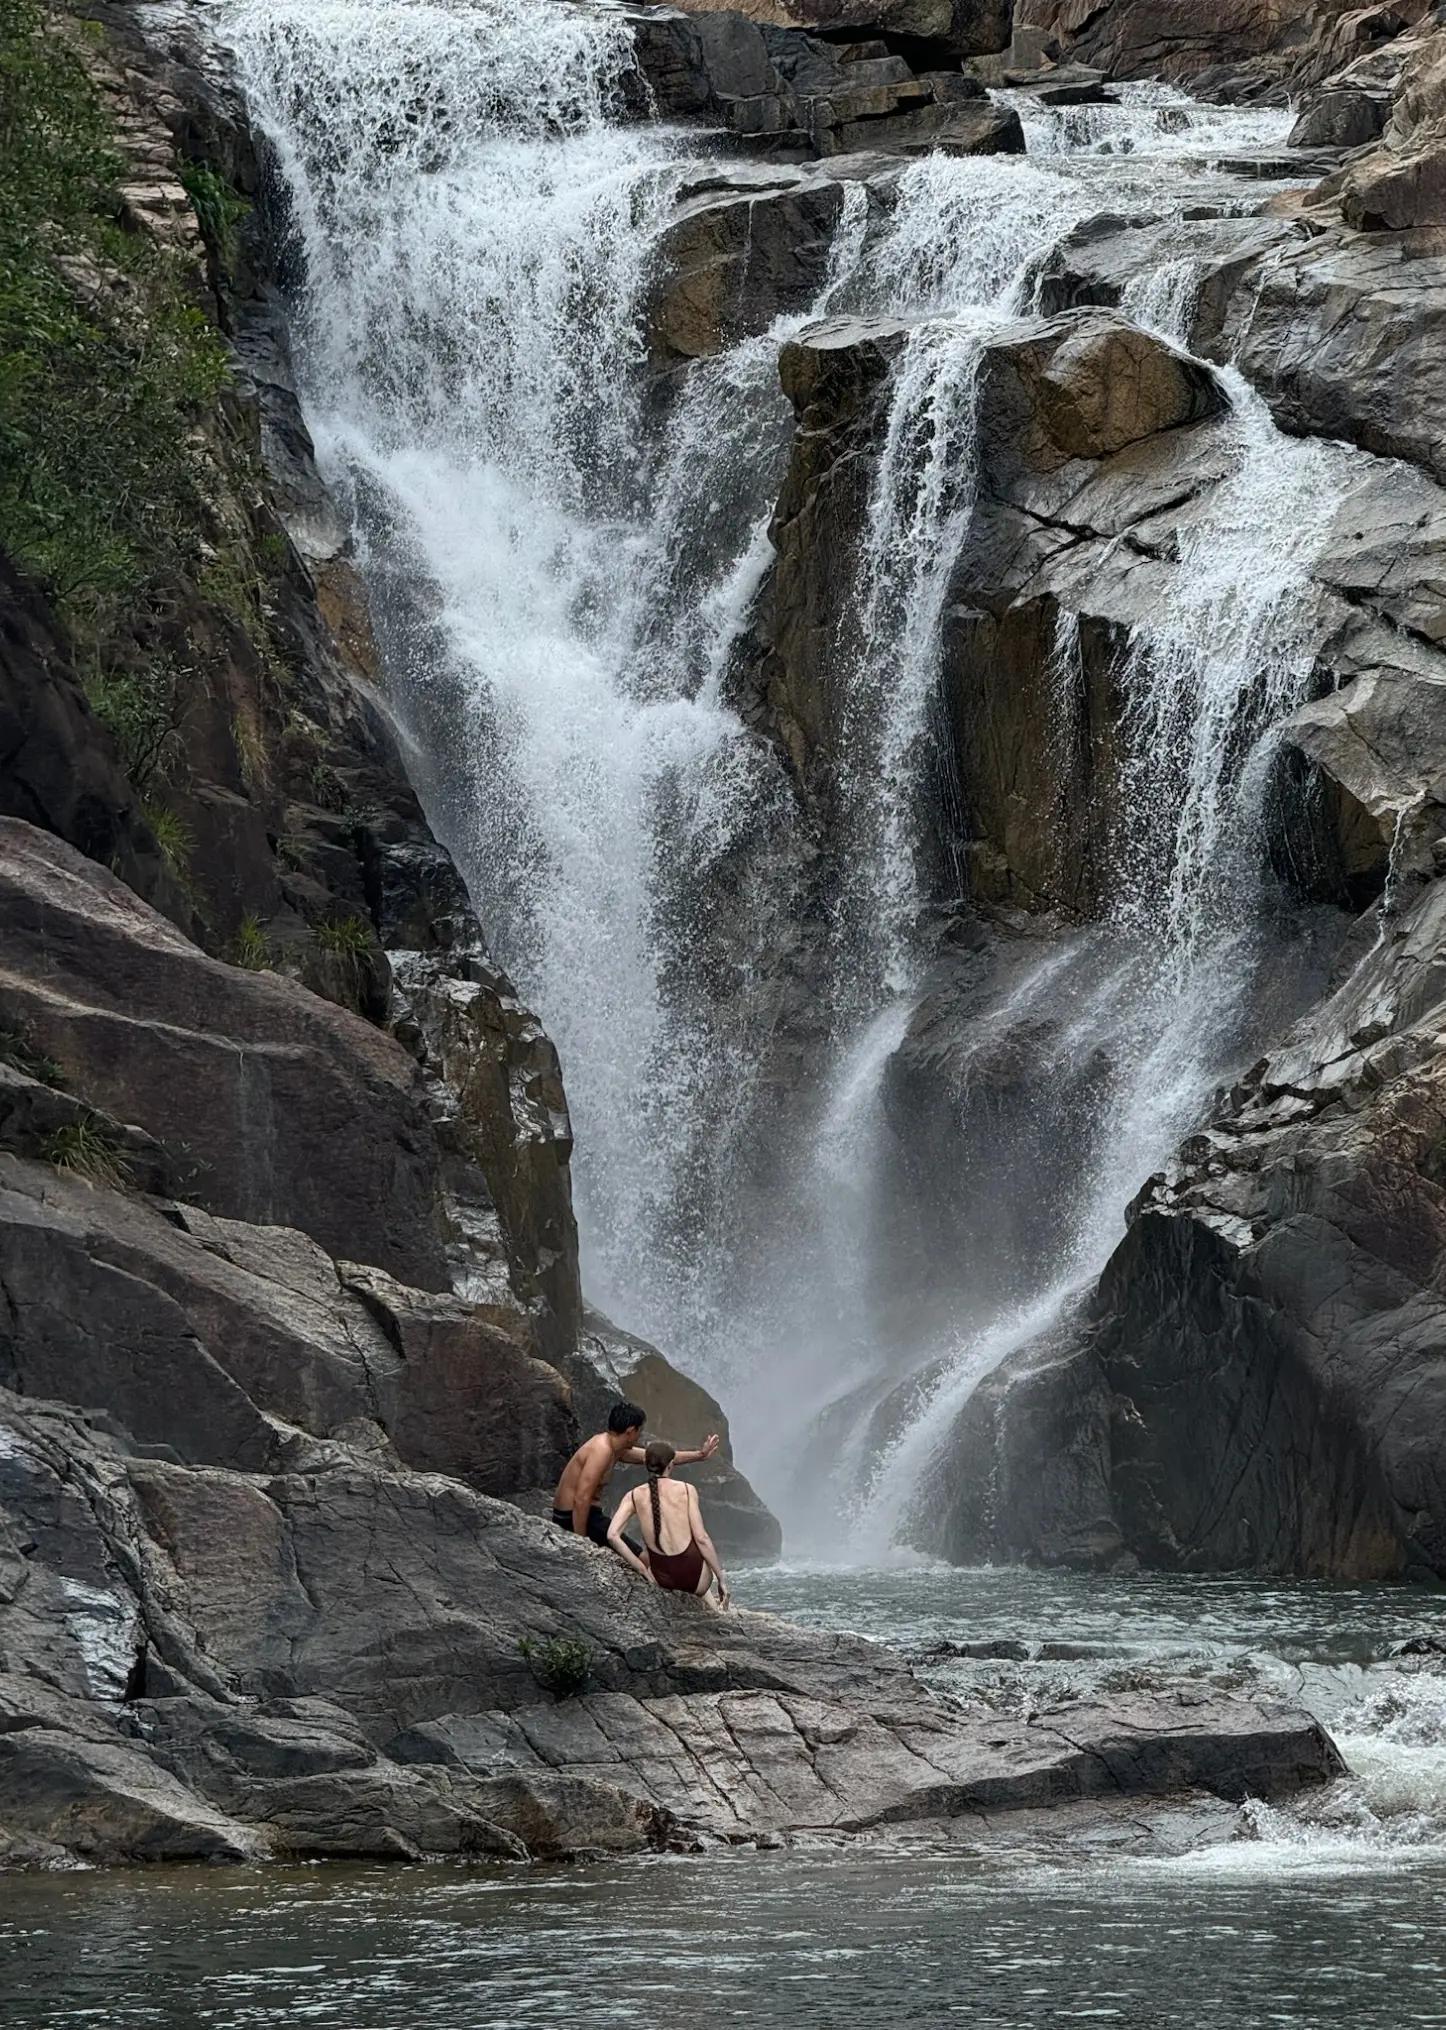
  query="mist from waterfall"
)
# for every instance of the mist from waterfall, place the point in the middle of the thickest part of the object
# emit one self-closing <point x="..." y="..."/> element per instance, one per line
<point x="560" y="588"/>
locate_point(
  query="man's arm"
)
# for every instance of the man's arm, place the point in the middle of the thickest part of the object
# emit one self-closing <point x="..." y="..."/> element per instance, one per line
<point x="589" y="1486"/>
<point x="636" y="1456"/>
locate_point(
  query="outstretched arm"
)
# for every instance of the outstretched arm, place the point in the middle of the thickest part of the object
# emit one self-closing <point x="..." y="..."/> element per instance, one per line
<point x="636" y="1456"/>
<point x="620" y="1521"/>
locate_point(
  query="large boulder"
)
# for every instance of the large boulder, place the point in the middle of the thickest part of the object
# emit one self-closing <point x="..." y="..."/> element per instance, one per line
<point x="1342" y="333"/>
<point x="742" y="251"/>
<point x="222" y="1343"/>
<point x="965" y="27"/>
<point x="1402" y="182"/>
<point x="201" y="1664"/>
<point x="242" y="1076"/>
<point x="789" y="94"/>
<point x="1239" y="48"/>
<point x="1084" y="386"/>
<point x="609" y="1366"/>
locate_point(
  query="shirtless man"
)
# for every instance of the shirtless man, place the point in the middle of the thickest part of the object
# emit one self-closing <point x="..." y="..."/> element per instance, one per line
<point x="575" y="1506"/>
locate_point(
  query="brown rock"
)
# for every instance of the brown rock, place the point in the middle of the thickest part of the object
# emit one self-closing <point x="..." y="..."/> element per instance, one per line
<point x="286" y="1109"/>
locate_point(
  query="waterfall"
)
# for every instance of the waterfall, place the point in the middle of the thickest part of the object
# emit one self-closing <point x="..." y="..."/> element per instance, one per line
<point x="476" y="232"/>
<point x="561" y="586"/>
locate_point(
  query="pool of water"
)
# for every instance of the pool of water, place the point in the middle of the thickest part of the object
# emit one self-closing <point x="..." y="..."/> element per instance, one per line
<point x="1330" y="1914"/>
<point x="753" y="1939"/>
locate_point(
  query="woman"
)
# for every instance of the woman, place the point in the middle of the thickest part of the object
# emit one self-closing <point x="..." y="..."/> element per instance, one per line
<point x="667" y="1513"/>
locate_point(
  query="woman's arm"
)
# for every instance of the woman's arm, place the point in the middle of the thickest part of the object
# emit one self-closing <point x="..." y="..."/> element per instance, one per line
<point x="627" y="1509"/>
<point x="706" y="1546"/>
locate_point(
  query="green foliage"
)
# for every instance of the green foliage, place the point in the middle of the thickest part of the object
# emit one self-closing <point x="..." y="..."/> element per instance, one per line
<point x="173" y="836"/>
<point x="346" y="937"/>
<point x="562" y="1666"/>
<point x="142" y="708"/>
<point x="328" y="791"/>
<point x="105" y="363"/>
<point x="18" y="1050"/>
<point x="86" y="1148"/>
<point x="219" y="211"/>
<point x="251" y="947"/>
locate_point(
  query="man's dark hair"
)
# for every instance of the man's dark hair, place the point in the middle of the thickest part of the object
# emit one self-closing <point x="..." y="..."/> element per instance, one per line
<point x="626" y="1417"/>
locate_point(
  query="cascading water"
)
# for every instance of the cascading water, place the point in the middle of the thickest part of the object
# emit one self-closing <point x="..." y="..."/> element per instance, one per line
<point x="559" y="589"/>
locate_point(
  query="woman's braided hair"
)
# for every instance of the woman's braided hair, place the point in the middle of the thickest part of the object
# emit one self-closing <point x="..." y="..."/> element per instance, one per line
<point x="660" y="1456"/>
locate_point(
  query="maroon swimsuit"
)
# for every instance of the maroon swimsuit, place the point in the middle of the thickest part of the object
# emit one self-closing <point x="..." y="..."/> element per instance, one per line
<point x="679" y="1573"/>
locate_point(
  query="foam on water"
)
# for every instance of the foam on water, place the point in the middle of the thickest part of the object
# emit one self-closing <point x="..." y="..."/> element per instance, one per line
<point x="1145" y="118"/>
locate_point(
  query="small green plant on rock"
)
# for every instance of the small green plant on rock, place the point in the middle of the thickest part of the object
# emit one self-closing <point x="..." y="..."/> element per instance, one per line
<point x="562" y="1665"/>
<point x="173" y="836"/>
<point x="142" y="708"/>
<point x="19" y="1052"/>
<point x="251" y="947"/>
<point x="87" y="1149"/>
<point x="346" y="937"/>
<point x="219" y="211"/>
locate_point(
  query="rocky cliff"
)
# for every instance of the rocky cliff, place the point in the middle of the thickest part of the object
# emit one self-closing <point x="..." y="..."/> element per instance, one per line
<point x="286" y="1161"/>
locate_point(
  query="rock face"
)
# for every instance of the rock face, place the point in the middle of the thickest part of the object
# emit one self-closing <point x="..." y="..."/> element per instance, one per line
<point x="1402" y="183"/>
<point x="284" y="1182"/>
<point x="1242" y="48"/>
<point x="795" y="95"/>
<point x="968" y="27"/>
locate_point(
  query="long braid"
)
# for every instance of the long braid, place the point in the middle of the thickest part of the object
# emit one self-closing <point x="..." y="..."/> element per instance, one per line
<point x="660" y="1456"/>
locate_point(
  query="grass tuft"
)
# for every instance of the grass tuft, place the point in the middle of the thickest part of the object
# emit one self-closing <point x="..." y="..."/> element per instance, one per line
<point x="86" y="1149"/>
<point x="251" y="947"/>
<point x="19" y="1051"/>
<point x="346" y="937"/>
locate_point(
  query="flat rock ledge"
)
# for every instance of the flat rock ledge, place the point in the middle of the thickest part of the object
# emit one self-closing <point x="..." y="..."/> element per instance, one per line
<point x="350" y="1659"/>
<point x="760" y="1766"/>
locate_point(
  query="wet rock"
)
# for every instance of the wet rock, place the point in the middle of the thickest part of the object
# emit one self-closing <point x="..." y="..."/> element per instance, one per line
<point x="1082" y="422"/>
<point x="741" y="254"/>
<point x="1341" y="118"/>
<point x="1280" y="1284"/>
<point x="1372" y="770"/>
<point x="1084" y="387"/>
<point x="327" y="1663"/>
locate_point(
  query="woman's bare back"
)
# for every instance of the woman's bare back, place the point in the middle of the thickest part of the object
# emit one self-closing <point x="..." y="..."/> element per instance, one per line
<point x="675" y="1507"/>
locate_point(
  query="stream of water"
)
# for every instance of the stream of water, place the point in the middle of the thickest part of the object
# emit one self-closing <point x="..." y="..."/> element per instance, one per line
<point x="562" y="584"/>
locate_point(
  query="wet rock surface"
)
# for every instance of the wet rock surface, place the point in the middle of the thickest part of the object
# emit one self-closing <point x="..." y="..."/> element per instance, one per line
<point x="220" y="1665"/>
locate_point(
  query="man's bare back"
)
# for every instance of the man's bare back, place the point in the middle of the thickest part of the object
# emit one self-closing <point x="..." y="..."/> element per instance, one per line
<point x="576" y="1504"/>
<point x="590" y="1468"/>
